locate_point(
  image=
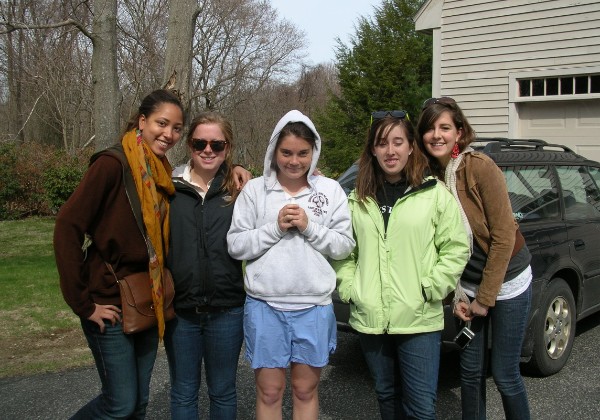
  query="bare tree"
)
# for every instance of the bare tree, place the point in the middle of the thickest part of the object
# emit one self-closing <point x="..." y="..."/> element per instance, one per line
<point x="240" y="46"/>
<point x="50" y="89"/>
<point x="65" y="89"/>
<point x="142" y="31"/>
<point x="104" y="71"/>
<point x="178" y="56"/>
<point x="315" y="85"/>
<point x="225" y="55"/>
<point x="178" y="60"/>
<point x="255" y="118"/>
<point x="13" y="50"/>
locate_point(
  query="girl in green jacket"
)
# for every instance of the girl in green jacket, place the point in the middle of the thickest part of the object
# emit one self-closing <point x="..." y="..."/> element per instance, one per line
<point x="411" y="248"/>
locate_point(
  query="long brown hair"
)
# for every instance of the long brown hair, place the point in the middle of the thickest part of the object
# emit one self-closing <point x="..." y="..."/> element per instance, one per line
<point x="429" y="116"/>
<point x="225" y="126"/>
<point x="370" y="177"/>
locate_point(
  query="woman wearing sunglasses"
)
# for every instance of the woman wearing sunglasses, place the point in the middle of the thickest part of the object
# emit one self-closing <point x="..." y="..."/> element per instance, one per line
<point x="410" y="250"/>
<point x="288" y="224"/>
<point x="209" y="288"/>
<point x="497" y="278"/>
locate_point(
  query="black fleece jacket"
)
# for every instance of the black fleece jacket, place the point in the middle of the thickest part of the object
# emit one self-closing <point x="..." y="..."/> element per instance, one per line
<point x="203" y="271"/>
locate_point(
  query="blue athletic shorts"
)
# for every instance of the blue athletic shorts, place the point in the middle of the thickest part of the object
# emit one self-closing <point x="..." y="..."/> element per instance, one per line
<point x="276" y="338"/>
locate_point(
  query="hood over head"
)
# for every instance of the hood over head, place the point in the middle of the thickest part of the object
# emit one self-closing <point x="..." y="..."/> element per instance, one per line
<point x="269" y="172"/>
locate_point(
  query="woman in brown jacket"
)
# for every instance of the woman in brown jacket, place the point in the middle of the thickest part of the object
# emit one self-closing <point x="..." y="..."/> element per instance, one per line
<point x="100" y="210"/>
<point x="497" y="279"/>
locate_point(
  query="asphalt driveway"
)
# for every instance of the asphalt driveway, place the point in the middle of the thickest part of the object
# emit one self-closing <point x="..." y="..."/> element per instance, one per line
<point x="345" y="391"/>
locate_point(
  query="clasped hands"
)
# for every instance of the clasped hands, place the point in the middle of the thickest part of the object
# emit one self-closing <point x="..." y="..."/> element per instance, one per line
<point x="292" y="216"/>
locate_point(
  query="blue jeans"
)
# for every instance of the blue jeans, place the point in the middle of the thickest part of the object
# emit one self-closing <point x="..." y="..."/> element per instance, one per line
<point x="405" y="369"/>
<point x="124" y="363"/>
<point x="215" y="338"/>
<point x="508" y="322"/>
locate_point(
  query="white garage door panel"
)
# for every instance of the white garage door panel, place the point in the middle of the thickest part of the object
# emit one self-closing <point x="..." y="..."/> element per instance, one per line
<point x="575" y="124"/>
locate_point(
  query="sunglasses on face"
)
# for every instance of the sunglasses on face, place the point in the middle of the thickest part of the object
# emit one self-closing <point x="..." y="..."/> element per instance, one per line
<point x="378" y="115"/>
<point x="215" y="145"/>
<point x="444" y="100"/>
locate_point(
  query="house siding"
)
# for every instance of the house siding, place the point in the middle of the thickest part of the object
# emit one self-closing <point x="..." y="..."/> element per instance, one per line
<point x="482" y="41"/>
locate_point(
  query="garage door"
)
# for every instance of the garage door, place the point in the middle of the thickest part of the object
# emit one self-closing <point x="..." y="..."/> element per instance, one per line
<point x="575" y="124"/>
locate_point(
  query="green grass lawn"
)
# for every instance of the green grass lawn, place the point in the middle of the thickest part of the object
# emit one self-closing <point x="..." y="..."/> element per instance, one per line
<point x="39" y="332"/>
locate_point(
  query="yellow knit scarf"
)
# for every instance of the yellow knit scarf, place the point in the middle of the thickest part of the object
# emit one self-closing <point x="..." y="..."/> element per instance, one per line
<point x="152" y="176"/>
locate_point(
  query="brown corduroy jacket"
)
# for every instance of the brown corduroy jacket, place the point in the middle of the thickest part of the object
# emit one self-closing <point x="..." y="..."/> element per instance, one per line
<point x="482" y="191"/>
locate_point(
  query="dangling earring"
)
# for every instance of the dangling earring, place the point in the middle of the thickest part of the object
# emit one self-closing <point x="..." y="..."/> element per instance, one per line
<point x="455" y="151"/>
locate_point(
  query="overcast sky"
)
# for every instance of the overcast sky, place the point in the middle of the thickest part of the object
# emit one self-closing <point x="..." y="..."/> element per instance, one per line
<point x="323" y="21"/>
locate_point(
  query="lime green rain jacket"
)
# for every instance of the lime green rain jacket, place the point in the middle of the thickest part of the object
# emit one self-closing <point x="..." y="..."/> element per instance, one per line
<point x="395" y="280"/>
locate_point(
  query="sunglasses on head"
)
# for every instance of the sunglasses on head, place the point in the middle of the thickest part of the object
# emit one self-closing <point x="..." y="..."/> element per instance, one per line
<point x="378" y="115"/>
<point x="444" y="100"/>
<point x="215" y="145"/>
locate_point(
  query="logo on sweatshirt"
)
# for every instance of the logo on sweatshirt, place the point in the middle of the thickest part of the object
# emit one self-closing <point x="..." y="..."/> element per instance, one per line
<point x="318" y="203"/>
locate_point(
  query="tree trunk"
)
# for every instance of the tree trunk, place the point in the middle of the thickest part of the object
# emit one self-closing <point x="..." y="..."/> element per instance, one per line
<point x="178" y="60"/>
<point x="14" y="49"/>
<point x="104" y="74"/>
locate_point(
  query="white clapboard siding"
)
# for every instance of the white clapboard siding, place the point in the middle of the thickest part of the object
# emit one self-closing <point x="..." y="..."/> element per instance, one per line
<point x="480" y="42"/>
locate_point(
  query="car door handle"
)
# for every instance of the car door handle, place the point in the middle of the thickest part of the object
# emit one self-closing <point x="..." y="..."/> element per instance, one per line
<point x="579" y="244"/>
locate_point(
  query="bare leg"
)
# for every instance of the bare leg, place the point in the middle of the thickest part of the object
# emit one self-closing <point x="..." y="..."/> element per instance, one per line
<point x="270" y="385"/>
<point x="305" y="390"/>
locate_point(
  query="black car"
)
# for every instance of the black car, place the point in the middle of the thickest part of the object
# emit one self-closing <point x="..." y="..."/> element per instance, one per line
<point x="555" y="196"/>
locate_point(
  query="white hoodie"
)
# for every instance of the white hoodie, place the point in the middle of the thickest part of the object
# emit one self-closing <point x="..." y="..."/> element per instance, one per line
<point x="290" y="269"/>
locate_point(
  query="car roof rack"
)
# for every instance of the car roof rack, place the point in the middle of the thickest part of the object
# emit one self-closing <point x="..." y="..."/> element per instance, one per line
<point x="496" y="144"/>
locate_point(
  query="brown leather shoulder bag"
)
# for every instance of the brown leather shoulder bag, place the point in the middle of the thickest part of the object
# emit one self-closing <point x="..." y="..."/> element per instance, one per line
<point x="136" y="300"/>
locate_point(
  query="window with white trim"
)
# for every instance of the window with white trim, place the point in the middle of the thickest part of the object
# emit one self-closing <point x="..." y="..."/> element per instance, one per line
<point x="575" y="86"/>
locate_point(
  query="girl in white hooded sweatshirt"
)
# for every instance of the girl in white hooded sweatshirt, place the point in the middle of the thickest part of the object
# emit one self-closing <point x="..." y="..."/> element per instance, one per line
<point x="287" y="224"/>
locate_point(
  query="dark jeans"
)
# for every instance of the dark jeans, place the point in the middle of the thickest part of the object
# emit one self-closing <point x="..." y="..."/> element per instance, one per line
<point x="215" y="338"/>
<point x="405" y="369"/>
<point x="508" y="323"/>
<point x="124" y="363"/>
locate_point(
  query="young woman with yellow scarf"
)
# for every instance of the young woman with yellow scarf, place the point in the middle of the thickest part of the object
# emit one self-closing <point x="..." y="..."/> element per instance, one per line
<point x="100" y="209"/>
